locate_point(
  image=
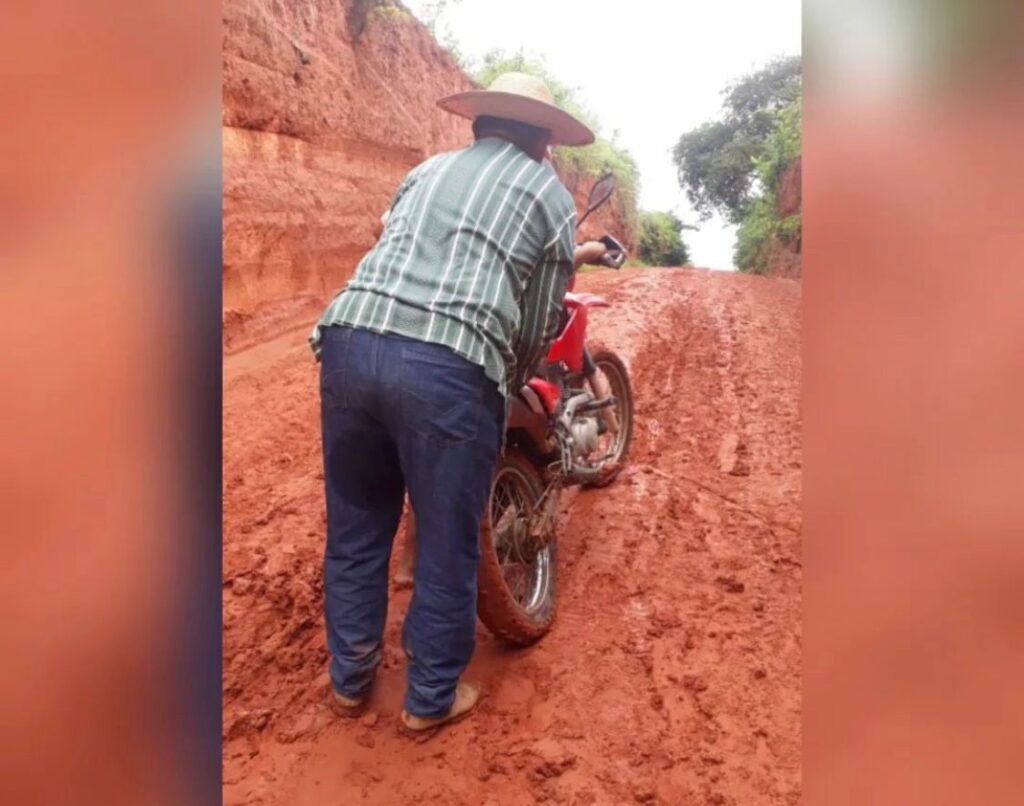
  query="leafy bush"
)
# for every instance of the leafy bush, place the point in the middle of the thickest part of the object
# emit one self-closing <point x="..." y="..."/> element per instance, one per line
<point x="781" y="147"/>
<point x="754" y="236"/>
<point x="391" y="11"/>
<point x="761" y="222"/>
<point x="659" y="241"/>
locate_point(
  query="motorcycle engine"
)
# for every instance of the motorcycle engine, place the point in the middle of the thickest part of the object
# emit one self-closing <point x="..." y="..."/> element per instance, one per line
<point x="584" y="436"/>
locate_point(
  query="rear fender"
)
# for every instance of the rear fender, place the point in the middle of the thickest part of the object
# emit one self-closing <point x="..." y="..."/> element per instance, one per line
<point x="568" y="347"/>
<point x="585" y="300"/>
<point x="531" y="423"/>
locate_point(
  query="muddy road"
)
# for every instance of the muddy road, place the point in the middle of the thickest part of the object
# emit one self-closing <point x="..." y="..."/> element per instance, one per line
<point x="672" y="674"/>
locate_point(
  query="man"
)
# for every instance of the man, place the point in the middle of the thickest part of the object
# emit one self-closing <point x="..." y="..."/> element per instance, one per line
<point x="446" y="314"/>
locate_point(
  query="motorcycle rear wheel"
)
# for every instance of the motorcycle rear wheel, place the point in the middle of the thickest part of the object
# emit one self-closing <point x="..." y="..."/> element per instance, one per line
<point x="516" y="580"/>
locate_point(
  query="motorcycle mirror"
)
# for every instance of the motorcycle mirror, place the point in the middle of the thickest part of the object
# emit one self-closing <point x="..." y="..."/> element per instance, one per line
<point x="600" y="193"/>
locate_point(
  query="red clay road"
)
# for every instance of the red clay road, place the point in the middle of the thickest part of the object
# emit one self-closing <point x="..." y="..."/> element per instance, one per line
<point x="673" y="672"/>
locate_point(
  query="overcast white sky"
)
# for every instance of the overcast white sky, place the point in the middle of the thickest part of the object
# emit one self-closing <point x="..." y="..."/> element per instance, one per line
<point x="651" y="69"/>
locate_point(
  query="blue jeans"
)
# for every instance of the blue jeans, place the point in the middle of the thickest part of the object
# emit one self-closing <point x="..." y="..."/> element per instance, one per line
<point x="397" y="414"/>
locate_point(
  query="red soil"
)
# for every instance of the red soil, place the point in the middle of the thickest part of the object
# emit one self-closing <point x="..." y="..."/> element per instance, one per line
<point x="327" y="105"/>
<point x="672" y="674"/>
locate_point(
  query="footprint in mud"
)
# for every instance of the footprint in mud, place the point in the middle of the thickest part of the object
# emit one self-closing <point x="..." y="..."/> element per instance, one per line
<point x="733" y="455"/>
<point x="638" y="620"/>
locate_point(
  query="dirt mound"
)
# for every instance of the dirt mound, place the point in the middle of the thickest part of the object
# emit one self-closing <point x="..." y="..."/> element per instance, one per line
<point x="789" y="199"/>
<point x="672" y="674"/>
<point x="319" y="127"/>
<point x="326" y="106"/>
<point x="783" y="258"/>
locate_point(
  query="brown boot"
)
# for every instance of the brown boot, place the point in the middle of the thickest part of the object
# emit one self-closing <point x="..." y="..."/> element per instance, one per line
<point x="466" y="697"/>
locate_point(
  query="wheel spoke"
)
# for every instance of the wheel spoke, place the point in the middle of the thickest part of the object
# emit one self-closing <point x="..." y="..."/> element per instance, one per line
<point x="517" y="582"/>
<point x="512" y="504"/>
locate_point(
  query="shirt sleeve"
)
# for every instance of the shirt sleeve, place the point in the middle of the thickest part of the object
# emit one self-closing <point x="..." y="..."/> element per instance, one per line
<point x="542" y="301"/>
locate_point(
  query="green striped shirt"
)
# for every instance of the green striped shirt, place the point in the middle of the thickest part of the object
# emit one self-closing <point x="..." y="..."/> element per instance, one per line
<point x="476" y="255"/>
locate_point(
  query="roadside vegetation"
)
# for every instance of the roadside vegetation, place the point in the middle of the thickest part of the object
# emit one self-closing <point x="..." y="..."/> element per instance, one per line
<point x="734" y="165"/>
<point x="660" y="242"/>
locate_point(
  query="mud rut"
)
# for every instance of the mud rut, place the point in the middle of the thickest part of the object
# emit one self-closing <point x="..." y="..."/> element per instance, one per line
<point x="672" y="674"/>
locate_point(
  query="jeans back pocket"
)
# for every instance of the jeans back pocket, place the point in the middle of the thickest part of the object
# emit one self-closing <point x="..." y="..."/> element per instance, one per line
<point x="441" y="394"/>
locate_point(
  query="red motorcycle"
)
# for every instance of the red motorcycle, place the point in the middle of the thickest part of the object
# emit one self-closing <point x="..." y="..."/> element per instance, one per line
<point x="567" y="426"/>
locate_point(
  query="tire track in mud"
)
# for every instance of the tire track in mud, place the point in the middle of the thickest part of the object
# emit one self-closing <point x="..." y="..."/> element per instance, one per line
<point x="690" y="559"/>
<point x="672" y="674"/>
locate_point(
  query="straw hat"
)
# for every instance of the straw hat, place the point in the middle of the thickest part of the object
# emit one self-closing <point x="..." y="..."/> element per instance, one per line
<point x="522" y="97"/>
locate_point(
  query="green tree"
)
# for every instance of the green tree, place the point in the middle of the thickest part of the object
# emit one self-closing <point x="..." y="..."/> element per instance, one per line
<point x="660" y="241"/>
<point x="715" y="161"/>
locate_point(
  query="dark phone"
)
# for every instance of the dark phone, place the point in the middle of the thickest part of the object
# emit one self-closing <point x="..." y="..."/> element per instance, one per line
<point x="611" y="244"/>
<point x="616" y="254"/>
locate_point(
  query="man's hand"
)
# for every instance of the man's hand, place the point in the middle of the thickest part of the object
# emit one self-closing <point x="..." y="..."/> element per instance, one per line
<point x="588" y="252"/>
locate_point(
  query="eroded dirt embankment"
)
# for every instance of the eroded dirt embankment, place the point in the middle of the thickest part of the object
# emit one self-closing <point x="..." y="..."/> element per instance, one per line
<point x="672" y="674"/>
<point x="327" y="104"/>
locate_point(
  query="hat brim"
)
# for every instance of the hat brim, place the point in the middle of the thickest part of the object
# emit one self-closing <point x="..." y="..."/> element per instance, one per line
<point x="565" y="129"/>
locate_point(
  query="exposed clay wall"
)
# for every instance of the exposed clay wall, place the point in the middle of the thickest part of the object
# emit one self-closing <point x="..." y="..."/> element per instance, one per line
<point x="327" y="104"/>
<point x="789" y="189"/>
<point x="611" y="218"/>
<point x="784" y="258"/>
